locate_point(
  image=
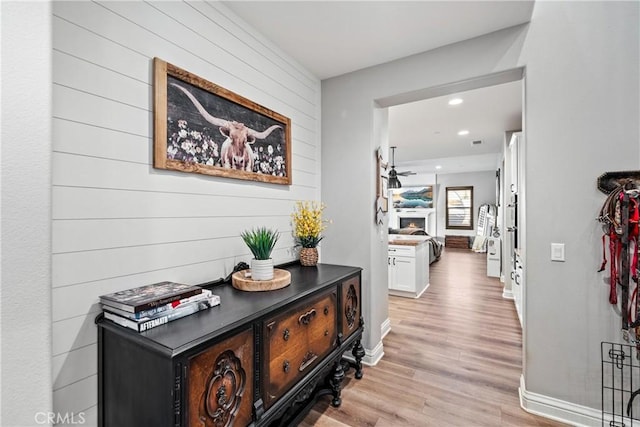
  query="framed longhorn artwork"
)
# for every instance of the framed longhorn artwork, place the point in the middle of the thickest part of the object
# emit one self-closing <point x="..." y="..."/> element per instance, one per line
<point x="203" y="128"/>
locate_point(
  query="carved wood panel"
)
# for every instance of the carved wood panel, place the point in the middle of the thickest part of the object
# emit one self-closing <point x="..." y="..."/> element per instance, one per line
<point x="296" y="341"/>
<point x="351" y="306"/>
<point x="220" y="383"/>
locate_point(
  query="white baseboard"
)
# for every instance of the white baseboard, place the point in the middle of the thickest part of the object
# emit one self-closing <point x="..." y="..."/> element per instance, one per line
<point x="423" y="291"/>
<point x="407" y="294"/>
<point x="507" y="293"/>
<point x="559" y="410"/>
<point x="372" y="357"/>
<point x="385" y="328"/>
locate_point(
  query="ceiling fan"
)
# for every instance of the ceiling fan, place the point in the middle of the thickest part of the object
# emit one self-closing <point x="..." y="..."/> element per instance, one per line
<point x="394" y="182"/>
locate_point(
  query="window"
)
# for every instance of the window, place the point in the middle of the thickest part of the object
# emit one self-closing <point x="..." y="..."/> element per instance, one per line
<point x="460" y="208"/>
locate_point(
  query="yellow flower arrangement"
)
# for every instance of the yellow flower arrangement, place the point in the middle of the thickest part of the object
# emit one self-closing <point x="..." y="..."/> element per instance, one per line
<point x="308" y="223"/>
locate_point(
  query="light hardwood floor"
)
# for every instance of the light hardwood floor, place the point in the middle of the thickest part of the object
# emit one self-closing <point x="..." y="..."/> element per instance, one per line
<point x="452" y="358"/>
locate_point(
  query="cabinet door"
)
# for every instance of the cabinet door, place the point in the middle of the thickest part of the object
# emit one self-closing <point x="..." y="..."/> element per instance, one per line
<point x="518" y="286"/>
<point x="350" y="306"/>
<point x="392" y="273"/>
<point x="220" y="383"/>
<point x="405" y="273"/>
<point x="296" y="341"/>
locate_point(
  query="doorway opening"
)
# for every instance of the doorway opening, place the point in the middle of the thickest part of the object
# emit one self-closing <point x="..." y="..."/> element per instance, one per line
<point x="493" y="166"/>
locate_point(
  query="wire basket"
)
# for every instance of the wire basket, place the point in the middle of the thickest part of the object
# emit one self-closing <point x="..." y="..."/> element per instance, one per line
<point x="620" y="385"/>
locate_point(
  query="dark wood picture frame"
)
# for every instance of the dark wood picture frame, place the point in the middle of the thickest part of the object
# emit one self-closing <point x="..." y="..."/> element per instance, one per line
<point x="203" y="128"/>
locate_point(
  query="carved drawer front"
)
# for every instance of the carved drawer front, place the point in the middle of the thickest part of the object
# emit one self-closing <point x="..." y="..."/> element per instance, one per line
<point x="220" y="383"/>
<point x="351" y="303"/>
<point x="296" y="341"/>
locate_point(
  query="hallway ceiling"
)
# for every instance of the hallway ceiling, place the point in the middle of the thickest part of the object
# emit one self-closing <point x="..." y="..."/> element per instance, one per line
<point x="429" y="129"/>
<point x="330" y="38"/>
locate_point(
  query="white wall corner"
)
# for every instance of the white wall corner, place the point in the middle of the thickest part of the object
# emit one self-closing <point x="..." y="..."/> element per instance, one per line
<point x="385" y="328"/>
<point x="558" y="410"/>
<point x="26" y="106"/>
<point x="372" y="357"/>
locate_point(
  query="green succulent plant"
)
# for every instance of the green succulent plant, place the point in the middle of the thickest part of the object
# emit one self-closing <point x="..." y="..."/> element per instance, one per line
<point x="260" y="241"/>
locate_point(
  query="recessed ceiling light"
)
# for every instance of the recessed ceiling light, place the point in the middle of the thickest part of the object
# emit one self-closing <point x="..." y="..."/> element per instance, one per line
<point x="463" y="132"/>
<point x="438" y="167"/>
<point x="455" y="101"/>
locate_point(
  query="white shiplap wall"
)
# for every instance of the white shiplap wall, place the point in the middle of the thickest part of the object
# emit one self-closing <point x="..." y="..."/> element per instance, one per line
<point x="117" y="221"/>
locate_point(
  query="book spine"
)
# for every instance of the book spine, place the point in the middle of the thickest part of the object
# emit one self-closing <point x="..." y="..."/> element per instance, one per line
<point x="151" y="304"/>
<point x="174" y="315"/>
<point x="122" y="321"/>
<point x="208" y="301"/>
<point x="167" y="300"/>
<point x="145" y="325"/>
<point x="154" y="312"/>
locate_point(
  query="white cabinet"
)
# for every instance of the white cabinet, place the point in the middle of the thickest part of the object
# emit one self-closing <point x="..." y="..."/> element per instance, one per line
<point x="408" y="269"/>
<point x="515" y="224"/>
<point x="403" y="273"/>
<point x="514" y="159"/>
<point x="517" y="283"/>
<point x="494" y="258"/>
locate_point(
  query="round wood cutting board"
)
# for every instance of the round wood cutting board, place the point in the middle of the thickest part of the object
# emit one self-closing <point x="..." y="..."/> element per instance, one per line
<point x="281" y="279"/>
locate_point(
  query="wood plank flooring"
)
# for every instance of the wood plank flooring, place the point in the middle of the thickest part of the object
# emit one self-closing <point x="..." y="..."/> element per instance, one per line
<point x="452" y="358"/>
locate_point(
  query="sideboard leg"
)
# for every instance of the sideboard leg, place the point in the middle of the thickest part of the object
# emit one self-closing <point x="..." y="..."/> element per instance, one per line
<point x="336" y="383"/>
<point x="358" y="354"/>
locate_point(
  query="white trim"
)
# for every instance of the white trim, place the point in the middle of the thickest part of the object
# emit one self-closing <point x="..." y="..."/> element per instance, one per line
<point x="423" y="291"/>
<point x="385" y="328"/>
<point x="558" y="410"/>
<point x="372" y="357"/>
<point x="507" y="293"/>
<point x="408" y="294"/>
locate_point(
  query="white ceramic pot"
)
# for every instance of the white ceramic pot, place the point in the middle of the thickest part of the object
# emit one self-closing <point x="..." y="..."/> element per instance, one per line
<point x="262" y="269"/>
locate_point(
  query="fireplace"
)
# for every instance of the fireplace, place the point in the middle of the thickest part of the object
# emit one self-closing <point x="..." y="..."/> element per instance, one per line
<point x="410" y="222"/>
<point x="414" y="218"/>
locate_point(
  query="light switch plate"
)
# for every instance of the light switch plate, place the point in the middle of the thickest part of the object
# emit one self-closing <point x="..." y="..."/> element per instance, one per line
<point x="557" y="252"/>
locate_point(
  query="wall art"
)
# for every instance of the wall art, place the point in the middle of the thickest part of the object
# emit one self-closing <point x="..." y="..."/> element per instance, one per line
<point x="413" y="197"/>
<point x="203" y="128"/>
<point x="382" y="182"/>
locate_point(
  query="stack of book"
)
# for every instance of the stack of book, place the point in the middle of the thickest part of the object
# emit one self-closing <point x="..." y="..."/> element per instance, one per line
<point x="153" y="305"/>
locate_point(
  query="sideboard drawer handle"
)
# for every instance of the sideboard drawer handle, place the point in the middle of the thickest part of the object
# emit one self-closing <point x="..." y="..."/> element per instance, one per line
<point x="326" y="332"/>
<point x="309" y="358"/>
<point x="306" y="318"/>
<point x="285" y="366"/>
<point x="326" y="310"/>
<point x="286" y="334"/>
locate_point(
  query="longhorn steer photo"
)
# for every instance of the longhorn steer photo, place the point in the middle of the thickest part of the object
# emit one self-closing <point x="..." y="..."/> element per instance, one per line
<point x="236" y="152"/>
<point x="200" y="127"/>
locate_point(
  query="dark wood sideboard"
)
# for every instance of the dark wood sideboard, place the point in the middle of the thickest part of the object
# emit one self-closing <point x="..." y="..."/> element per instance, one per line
<point x="259" y="358"/>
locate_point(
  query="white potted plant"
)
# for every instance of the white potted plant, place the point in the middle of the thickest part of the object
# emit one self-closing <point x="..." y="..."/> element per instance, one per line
<point x="261" y="242"/>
